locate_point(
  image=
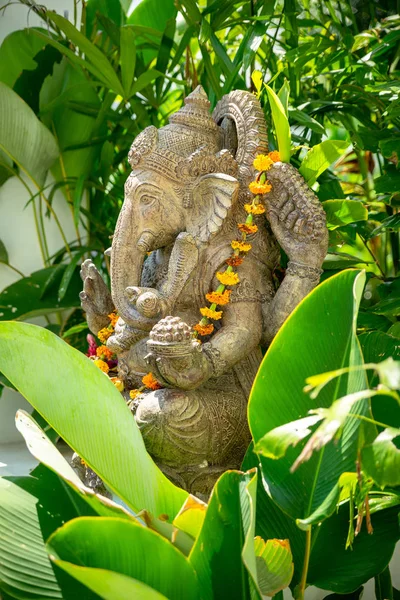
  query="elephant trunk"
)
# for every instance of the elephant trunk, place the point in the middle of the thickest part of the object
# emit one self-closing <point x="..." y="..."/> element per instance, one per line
<point x="128" y="251"/>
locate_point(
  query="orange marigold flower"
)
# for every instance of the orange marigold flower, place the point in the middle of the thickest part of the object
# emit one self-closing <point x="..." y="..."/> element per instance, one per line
<point x="211" y="314"/>
<point x="262" y="162"/>
<point x="104" y="353"/>
<point x="113" y="318"/>
<point x="228" y="278"/>
<point x="104" y="334"/>
<point x="234" y="261"/>
<point x="247" y="228"/>
<point x="151" y="382"/>
<point x="133" y="394"/>
<point x="259" y="188"/>
<point x="103" y="366"/>
<point x="204" y="329"/>
<point x="274" y="156"/>
<point x="119" y="384"/>
<point x="219" y="298"/>
<point x="241" y="246"/>
<point x="254" y="209"/>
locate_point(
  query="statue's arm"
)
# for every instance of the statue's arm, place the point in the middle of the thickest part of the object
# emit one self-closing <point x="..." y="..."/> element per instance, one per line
<point x="299" y="281"/>
<point x="299" y="224"/>
<point x="239" y="335"/>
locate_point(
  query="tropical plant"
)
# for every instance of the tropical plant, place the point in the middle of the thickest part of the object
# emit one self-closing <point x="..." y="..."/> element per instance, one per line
<point x="262" y="529"/>
<point x="73" y="96"/>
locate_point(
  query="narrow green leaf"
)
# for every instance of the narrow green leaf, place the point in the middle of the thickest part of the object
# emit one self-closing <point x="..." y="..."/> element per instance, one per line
<point x="75" y="329"/>
<point x="383" y="585"/>
<point x="30" y="356"/>
<point x="3" y="253"/>
<point x="77" y="199"/>
<point x="128" y="58"/>
<point x="283" y="96"/>
<point x="320" y="157"/>
<point x="381" y="459"/>
<point x="126" y="548"/>
<point x="281" y="124"/>
<point x="92" y="52"/>
<point x="303" y="118"/>
<point x="143" y="81"/>
<point x="257" y="79"/>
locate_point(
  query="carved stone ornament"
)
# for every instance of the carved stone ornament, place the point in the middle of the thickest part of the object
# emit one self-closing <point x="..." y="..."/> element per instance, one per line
<point x="183" y="201"/>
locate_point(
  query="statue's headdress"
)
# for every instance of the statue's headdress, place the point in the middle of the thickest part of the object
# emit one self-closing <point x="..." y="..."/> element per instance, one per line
<point x="186" y="148"/>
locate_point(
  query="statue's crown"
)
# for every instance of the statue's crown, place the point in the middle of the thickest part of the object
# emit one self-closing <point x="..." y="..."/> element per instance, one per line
<point x="189" y="146"/>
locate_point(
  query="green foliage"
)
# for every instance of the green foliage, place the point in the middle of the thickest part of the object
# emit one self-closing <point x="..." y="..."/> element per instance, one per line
<point x="73" y="97"/>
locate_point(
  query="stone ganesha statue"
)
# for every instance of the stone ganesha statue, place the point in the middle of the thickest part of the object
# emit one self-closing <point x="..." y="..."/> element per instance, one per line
<point x="183" y="201"/>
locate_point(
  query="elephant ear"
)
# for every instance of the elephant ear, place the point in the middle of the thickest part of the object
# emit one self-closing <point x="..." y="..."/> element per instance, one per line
<point x="213" y="196"/>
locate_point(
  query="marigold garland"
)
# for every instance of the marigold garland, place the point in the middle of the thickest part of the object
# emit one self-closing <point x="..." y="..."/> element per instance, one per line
<point x="103" y="366"/>
<point x="104" y="353"/>
<point x="104" y="334"/>
<point x="150" y="382"/>
<point x="220" y="297"/>
<point x="246" y="228"/>
<point x="211" y="314"/>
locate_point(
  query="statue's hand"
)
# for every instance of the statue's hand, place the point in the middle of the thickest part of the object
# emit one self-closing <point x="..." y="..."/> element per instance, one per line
<point x="95" y="298"/>
<point x="296" y="216"/>
<point x="175" y="358"/>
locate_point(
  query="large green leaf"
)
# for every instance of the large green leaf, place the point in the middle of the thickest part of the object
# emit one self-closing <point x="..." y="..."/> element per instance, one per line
<point x="38" y="294"/>
<point x="23" y="138"/>
<point x="62" y="89"/>
<point x="31" y="508"/>
<point x="319" y="336"/>
<point x="126" y="548"/>
<point x="37" y="362"/>
<point x="228" y="560"/>
<point x="44" y="450"/>
<point x="17" y="54"/>
<point x="320" y="157"/>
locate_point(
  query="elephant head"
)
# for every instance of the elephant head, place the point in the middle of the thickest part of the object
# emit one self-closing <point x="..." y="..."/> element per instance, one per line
<point x="185" y="178"/>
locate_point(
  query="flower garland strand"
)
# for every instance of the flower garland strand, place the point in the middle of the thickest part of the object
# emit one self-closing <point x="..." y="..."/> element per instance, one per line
<point x="228" y="278"/>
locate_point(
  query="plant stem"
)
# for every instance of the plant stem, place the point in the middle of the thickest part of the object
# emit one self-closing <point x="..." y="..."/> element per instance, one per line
<point x="362" y="418"/>
<point x="372" y="256"/>
<point x="303" y="581"/>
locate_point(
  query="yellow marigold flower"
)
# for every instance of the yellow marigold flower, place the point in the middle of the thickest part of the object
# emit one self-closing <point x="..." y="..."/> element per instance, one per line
<point x="211" y="314"/>
<point x="103" y="366"/>
<point x="254" y="209"/>
<point x="204" y="329"/>
<point x="241" y="246"/>
<point x="274" y="156"/>
<point x="113" y="318"/>
<point x="134" y="393"/>
<point x="228" y="278"/>
<point x="262" y="162"/>
<point x="104" y="353"/>
<point x="234" y="261"/>
<point x="104" y="334"/>
<point x="119" y="384"/>
<point x="151" y="382"/>
<point x="247" y="228"/>
<point x="219" y="298"/>
<point x="259" y="188"/>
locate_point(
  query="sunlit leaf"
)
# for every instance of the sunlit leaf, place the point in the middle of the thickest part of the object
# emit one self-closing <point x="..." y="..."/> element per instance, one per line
<point x="342" y="212"/>
<point x="275" y="443"/>
<point x="281" y="125"/>
<point x="320" y="157"/>
<point x="381" y="459"/>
